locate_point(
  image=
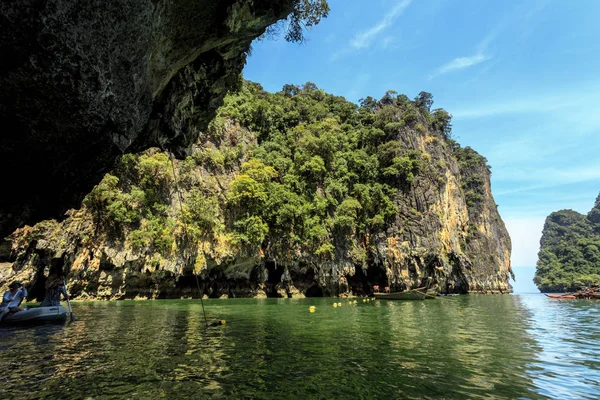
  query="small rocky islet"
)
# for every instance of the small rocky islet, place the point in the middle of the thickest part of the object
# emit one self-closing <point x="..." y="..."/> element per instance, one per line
<point x="288" y="194"/>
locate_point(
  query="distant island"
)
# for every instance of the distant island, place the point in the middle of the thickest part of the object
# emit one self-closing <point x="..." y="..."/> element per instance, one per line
<point x="569" y="256"/>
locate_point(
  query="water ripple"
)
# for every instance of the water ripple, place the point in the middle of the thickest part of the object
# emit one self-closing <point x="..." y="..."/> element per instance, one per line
<point x="479" y="347"/>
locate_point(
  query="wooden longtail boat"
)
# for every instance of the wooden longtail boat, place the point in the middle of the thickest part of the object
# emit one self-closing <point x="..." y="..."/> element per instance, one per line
<point x="561" y="296"/>
<point x="413" y="294"/>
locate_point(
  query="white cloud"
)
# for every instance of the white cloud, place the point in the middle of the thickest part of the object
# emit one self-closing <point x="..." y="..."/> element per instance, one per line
<point x="530" y="149"/>
<point x="459" y="63"/>
<point x="520" y="19"/>
<point x="466" y="62"/>
<point x="573" y="104"/>
<point x="365" y="38"/>
<point x="547" y="177"/>
<point x="388" y="42"/>
<point x="525" y="234"/>
<point x="513" y="106"/>
<point x="488" y="39"/>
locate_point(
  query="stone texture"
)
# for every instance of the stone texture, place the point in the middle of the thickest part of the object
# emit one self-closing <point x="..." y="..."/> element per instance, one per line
<point x="463" y="245"/>
<point x="85" y="81"/>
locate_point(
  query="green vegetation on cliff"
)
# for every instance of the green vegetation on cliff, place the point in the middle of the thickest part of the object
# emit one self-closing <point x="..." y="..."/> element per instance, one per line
<point x="293" y="193"/>
<point x="320" y="180"/>
<point x="569" y="256"/>
<point x="168" y="65"/>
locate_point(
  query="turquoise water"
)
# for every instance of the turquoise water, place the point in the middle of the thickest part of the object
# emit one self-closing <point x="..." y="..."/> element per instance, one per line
<point x="519" y="346"/>
<point x="524" y="280"/>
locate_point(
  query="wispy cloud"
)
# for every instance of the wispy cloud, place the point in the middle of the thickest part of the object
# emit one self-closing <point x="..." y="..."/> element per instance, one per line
<point x="549" y="176"/>
<point x="459" y="63"/>
<point x="543" y="202"/>
<point x="365" y="38"/>
<point x="515" y="106"/>
<point x="520" y="17"/>
<point x="582" y="100"/>
<point x="479" y="57"/>
<point x="465" y="62"/>
<point x="535" y="147"/>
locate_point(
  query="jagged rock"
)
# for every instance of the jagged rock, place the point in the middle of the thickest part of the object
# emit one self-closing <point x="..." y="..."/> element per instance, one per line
<point x="85" y="81"/>
<point x="260" y="294"/>
<point x="281" y="292"/>
<point x="295" y="293"/>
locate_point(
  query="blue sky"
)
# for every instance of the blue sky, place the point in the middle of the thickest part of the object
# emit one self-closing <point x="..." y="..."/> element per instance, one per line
<point x="521" y="78"/>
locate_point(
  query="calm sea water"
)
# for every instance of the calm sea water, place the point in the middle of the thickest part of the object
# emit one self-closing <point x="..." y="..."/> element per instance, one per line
<point x="519" y="346"/>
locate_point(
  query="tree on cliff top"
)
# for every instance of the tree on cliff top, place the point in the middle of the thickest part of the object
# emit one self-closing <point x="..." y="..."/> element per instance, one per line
<point x="306" y="13"/>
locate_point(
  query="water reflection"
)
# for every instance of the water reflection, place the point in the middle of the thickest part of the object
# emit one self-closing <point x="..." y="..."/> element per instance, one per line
<point x="471" y="346"/>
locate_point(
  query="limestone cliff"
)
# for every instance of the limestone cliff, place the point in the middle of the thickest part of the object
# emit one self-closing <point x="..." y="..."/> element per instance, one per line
<point x="297" y="193"/>
<point x="85" y="81"/>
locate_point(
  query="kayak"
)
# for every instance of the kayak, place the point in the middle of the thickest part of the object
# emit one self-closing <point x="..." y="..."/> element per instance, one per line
<point x="36" y="315"/>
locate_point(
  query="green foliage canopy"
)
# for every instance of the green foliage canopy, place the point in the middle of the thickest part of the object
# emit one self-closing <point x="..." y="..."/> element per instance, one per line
<point x="321" y="181"/>
<point x="326" y="171"/>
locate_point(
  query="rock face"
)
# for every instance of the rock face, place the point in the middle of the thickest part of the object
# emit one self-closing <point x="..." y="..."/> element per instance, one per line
<point x="569" y="257"/>
<point x="84" y="82"/>
<point x="292" y="194"/>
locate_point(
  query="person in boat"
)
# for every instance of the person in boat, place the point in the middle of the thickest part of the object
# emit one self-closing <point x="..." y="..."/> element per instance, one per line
<point x="13" y="297"/>
<point x="54" y="288"/>
<point x="6" y="298"/>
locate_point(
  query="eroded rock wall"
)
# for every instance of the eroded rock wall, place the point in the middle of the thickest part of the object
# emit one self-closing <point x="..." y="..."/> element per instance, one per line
<point x="85" y="81"/>
<point x="437" y="239"/>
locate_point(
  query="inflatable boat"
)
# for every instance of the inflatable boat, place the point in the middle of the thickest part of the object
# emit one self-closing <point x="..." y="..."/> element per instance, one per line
<point x="36" y="315"/>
